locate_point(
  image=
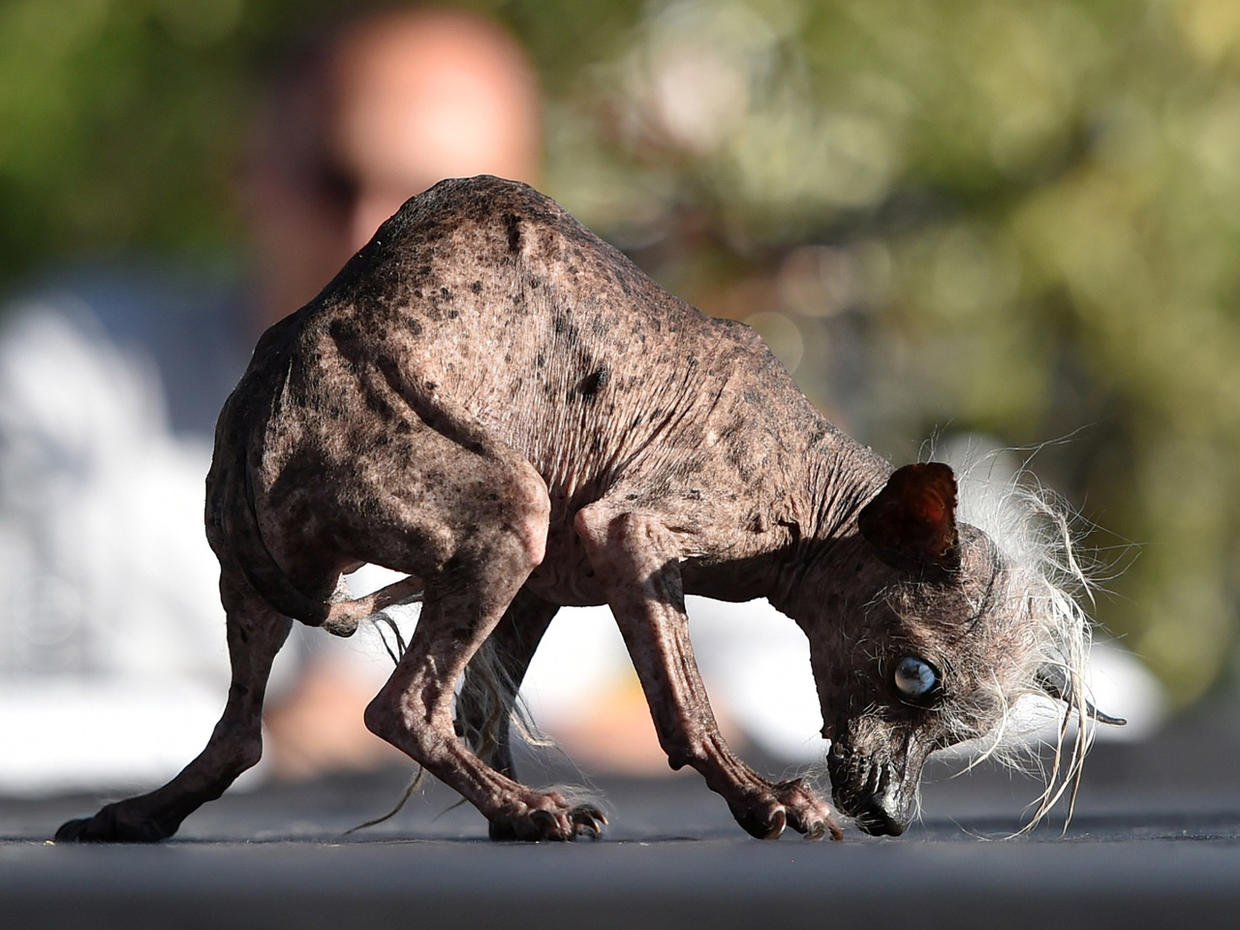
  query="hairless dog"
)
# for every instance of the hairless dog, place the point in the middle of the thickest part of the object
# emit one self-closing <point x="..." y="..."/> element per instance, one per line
<point x="496" y="403"/>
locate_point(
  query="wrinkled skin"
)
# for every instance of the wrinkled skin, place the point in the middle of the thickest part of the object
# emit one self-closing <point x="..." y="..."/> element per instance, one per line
<point x="493" y="401"/>
<point x="964" y="625"/>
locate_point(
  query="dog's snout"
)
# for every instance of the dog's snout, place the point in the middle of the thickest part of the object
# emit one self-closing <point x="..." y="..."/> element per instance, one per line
<point x="869" y="791"/>
<point x="877" y="820"/>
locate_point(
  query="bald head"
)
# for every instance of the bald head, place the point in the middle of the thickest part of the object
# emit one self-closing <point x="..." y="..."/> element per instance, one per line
<point x="419" y="97"/>
<point x="378" y="112"/>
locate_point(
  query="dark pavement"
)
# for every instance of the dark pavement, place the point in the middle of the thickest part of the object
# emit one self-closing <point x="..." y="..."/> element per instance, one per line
<point x="1156" y="842"/>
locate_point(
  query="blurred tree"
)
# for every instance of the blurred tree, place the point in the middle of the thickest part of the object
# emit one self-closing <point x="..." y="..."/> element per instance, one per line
<point x="1006" y="218"/>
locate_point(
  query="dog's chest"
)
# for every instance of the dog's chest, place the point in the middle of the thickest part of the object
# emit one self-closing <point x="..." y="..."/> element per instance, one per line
<point x="565" y="576"/>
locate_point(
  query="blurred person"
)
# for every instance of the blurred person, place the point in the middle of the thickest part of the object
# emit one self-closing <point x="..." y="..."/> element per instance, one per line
<point x="112" y="380"/>
<point x="358" y="123"/>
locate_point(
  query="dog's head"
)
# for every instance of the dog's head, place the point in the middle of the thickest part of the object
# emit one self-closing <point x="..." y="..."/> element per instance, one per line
<point x="924" y="634"/>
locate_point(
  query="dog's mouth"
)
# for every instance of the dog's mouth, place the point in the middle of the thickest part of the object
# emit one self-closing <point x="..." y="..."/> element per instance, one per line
<point x="874" y="818"/>
<point x="873" y="792"/>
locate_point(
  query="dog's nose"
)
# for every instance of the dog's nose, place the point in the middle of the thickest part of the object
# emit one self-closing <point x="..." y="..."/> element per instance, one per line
<point x="877" y="820"/>
<point x="870" y="791"/>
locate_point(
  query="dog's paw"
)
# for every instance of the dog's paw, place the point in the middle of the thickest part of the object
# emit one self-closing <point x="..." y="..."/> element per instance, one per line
<point x="548" y="817"/>
<point x="807" y="813"/>
<point x="588" y="820"/>
<point x="110" y="825"/>
<point x="761" y="814"/>
<point x="766" y="812"/>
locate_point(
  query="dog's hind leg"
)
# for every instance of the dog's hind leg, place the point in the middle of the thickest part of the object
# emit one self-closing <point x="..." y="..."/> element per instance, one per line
<point x="255" y="634"/>
<point x="493" y="677"/>
<point x="490" y="560"/>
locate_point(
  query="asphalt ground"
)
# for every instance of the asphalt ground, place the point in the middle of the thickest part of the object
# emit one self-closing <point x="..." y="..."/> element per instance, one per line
<point x="1155" y="842"/>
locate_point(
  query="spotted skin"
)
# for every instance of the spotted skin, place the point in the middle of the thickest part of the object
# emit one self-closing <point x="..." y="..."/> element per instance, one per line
<point x="497" y="403"/>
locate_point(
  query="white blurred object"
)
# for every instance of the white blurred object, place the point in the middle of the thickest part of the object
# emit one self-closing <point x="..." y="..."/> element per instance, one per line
<point x="757" y="660"/>
<point x="753" y="659"/>
<point x="580" y="657"/>
<point x="112" y="650"/>
<point x="1122" y="686"/>
<point x="1119" y="684"/>
<point x="101" y="733"/>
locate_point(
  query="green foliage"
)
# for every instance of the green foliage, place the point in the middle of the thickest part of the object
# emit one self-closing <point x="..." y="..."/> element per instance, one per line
<point x="1011" y="218"/>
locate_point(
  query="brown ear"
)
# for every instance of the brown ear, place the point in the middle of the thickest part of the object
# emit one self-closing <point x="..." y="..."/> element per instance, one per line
<point x="912" y="522"/>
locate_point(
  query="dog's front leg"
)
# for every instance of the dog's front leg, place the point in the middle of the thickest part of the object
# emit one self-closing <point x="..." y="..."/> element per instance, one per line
<point x="255" y="634"/>
<point x="637" y="558"/>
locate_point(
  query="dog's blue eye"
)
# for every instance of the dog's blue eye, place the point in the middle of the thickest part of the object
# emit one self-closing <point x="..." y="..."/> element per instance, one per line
<point x="915" y="677"/>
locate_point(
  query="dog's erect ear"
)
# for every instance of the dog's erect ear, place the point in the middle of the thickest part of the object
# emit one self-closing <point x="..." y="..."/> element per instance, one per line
<point x="912" y="522"/>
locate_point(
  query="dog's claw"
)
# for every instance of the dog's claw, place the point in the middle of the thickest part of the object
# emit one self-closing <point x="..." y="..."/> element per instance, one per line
<point x="806" y="812"/>
<point x="768" y="811"/>
<point x="545" y="821"/>
<point x="591" y="811"/>
<point x="588" y="820"/>
<point x="779" y="820"/>
<point x="557" y="822"/>
<point x="821" y="828"/>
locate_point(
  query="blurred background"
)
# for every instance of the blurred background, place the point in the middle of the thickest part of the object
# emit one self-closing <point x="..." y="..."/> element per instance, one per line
<point x="1004" y="225"/>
